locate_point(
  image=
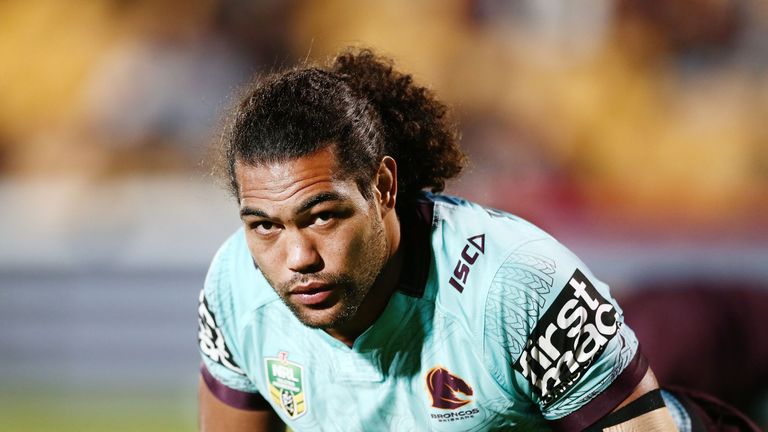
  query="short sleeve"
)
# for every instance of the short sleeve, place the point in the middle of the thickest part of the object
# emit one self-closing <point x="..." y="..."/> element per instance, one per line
<point x="215" y="351"/>
<point x="221" y="369"/>
<point x="555" y="337"/>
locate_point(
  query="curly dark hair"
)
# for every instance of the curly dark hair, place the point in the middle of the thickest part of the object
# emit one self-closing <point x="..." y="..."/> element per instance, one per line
<point x="361" y="105"/>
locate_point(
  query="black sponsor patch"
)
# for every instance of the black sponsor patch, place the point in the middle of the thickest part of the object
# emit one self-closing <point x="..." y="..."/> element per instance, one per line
<point x="568" y="338"/>
<point x="211" y="339"/>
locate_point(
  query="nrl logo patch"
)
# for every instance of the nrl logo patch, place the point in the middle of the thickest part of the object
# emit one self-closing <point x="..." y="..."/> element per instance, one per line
<point x="286" y="386"/>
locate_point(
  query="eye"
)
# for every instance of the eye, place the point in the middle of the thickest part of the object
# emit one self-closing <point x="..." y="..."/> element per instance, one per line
<point x="264" y="227"/>
<point x="323" y="218"/>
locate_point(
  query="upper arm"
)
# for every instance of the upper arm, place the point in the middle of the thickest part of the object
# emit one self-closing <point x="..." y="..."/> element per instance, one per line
<point x="229" y="400"/>
<point x="216" y="415"/>
<point x="556" y="337"/>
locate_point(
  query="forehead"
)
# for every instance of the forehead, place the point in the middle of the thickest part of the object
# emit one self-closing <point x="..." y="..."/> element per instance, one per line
<point x="293" y="180"/>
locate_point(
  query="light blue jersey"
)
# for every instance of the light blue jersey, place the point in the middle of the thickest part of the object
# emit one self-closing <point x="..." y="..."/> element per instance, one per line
<point x="495" y="326"/>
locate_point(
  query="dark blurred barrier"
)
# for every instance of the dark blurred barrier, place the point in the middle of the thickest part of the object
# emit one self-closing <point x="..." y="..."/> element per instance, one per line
<point x="706" y="334"/>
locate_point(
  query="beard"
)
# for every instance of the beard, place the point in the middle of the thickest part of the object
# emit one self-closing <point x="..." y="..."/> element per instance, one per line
<point x="350" y="287"/>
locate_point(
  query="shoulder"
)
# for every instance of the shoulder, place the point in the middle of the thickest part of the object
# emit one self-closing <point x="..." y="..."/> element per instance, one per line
<point x="502" y="276"/>
<point x="233" y="282"/>
<point x="478" y="255"/>
<point x="537" y="284"/>
<point x="492" y="232"/>
<point x="547" y="328"/>
<point x="233" y="292"/>
<point x="473" y="247"/>
<point x="480" y="251"/>
<point x="563" y="334"/>
<point x="234" y="289"/>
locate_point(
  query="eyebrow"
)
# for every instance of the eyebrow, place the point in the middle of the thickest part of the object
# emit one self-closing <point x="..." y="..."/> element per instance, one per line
<point x="320" y="198"/>
<point x="248" y="211"/>
<point x="306" y="205"/>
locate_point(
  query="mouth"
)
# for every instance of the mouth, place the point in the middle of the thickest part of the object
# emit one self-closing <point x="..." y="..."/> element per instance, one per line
<point x="312" y="294"/>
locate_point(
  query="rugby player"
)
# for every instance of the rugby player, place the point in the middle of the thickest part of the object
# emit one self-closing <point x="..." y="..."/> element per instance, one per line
<point x="356" y="297"/>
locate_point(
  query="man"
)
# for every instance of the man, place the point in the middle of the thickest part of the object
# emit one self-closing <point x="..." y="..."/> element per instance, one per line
<point x="353" y="300"/>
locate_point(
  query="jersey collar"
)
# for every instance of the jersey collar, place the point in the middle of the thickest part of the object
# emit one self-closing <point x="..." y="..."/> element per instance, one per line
<point x="416" y="219"/>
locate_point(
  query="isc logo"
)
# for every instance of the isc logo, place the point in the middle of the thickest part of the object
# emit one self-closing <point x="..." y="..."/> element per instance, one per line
<point x="472" y="250"/>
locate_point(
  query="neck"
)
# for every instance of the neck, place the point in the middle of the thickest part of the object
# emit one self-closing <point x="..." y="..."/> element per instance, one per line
<point x="381" y="291"/>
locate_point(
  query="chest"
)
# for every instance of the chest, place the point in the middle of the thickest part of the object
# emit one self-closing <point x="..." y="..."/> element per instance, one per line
<point x="422" y="376"/>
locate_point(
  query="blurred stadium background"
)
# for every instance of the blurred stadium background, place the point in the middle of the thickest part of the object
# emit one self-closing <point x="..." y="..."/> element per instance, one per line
<point x="634" y="131"/>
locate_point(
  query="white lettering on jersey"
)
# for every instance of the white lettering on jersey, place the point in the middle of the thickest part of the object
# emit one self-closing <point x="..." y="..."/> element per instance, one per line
<point x="212" y="340"/>
<point x="567" y="339"/>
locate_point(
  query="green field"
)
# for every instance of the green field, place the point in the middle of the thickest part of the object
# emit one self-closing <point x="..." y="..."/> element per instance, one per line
<point x="24" y="410"/>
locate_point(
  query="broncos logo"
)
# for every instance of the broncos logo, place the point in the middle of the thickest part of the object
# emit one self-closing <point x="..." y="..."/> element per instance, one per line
<point x="443" y="388"/>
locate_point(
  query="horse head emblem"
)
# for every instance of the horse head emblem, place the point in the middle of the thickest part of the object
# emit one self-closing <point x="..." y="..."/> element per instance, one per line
<point x="444" y="388"/>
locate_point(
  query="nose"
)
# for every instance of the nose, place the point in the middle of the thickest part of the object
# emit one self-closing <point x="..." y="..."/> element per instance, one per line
<point x="302" y="254"/>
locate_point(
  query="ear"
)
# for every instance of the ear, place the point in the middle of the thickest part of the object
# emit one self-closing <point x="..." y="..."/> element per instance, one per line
<point x="386" y="184"/>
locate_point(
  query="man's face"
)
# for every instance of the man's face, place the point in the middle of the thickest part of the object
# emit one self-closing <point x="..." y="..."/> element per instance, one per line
<point x="317" y="240"/>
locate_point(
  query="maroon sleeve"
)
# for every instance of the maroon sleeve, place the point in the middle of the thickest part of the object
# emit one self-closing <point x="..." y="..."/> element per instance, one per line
<point x="606" y="401"/>
<point x="234" y="398"/>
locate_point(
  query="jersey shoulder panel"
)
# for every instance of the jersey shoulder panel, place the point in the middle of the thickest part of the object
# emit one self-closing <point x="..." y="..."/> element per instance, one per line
<point x="234" y="288"/>
<point x="546" y="328"/>
<point x="470" y="245"/>
<point x="552" y="330"/>
<point x="235" y="279"/>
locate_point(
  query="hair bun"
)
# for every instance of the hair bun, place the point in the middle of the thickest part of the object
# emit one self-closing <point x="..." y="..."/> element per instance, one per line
<point x="418" y="131"/>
